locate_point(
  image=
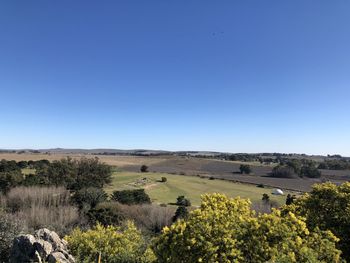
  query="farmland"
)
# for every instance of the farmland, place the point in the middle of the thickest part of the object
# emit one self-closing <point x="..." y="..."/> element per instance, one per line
<point x="194" y="167"/>
<point x="190" y="186"/>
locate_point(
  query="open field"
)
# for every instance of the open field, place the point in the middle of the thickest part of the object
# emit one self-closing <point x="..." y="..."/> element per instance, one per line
<point x="119" y="161"/>
<point x="194" y="166"/>
<point x="189" y="186"/>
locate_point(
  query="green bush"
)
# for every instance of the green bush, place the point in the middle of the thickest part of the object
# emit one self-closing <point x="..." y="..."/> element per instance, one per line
<point x="9" y="229"/>
<point x="107" y="214"/>
<point x="182" y="201"/>
<point x="76" y="174"/>
<point x="89" y="198"/>
<point x="144" y="169"/>
<point x="9" y="179"/>
<point x="181" y="213"/>
<point x="245" y="169"/>
<point x="131" y="197"/>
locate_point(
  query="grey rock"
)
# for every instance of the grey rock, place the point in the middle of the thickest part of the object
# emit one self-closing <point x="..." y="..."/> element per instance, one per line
<point x="44" y="246"/>
<point x="57" y="257"/>
<point x="22" y="249"/>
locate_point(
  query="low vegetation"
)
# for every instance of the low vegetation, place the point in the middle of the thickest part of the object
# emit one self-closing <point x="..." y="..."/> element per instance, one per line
<point x="111" y="216"/>
<point x="227" y="230"/>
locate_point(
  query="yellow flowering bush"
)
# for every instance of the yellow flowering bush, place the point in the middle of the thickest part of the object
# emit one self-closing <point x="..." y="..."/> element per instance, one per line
<point x="327" y="207"/>
<point x="227" y="230"/>
<point x="116" y="245"/>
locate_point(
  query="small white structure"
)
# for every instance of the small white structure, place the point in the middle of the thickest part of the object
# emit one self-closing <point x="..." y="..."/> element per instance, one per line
<point x="277" y="191"/>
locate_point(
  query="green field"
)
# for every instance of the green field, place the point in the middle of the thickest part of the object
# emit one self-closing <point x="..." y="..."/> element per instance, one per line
<point x="27" y="171"/>
<point x="190" y="186"/>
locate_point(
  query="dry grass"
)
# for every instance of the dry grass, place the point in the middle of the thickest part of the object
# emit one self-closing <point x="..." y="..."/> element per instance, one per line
<point x="151" y="218"/>
<point x="41" y="207"/>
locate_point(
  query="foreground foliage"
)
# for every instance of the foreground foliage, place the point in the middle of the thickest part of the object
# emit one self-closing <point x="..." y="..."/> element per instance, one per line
<point x="116" y="245"/>
<point x="9" y="229"/>
<point x="327" y="207"/>
<point x="226" y="230"/>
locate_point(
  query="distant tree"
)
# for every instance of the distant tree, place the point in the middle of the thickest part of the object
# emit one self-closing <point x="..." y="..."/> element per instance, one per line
<point x="131" y="197"/>
<point x="322" y="165"/>
<point x="9" y="180"/>
<point x="76" y="174"/>
<point x="266" y="198"/>
<point x="144" y="169"/>
<point x="92" y="173"/>
<point x="89" y="198"/>
<point x="283" y="171"/>
<point x="310" y="171"/>
<point x="164" y="179"/>
<point x="8" y="166"/>
<point x="181" y="213"/>
<point x="290" y="199"/>
<point x="22" y="164"/>
<point x="245" y="169"/>
<point x="295" y="164"/>
<point x="182" y="201"/>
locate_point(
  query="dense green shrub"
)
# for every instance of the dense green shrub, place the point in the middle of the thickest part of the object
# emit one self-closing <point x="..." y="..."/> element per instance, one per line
<point x="131" y="197"/>
<point x="9" y="166"/>
<point x="106" y="214"/>
<point x="310" y="171"/>
<point x="164" y="179"/>
<point x="9" y="179"/>
<point x="10" y="227"/>
<point x="245" y="169"/>
<point x="144" y="169"/>
<point x="89" y="198"/>
<point x="283" y="172"/>
<point x="181" y="213"/>
<point x="76" y="174"/>
<point x="182" y="201"/>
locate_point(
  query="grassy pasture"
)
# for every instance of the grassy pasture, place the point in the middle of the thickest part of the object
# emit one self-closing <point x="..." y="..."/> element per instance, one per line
<point x="189" y="186"/>
<point x="28" y="171"/>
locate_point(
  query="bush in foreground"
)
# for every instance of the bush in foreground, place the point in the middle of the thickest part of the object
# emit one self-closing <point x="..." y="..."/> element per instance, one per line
<point x="116" y="245"/>
<point x="226" y="230"/>
<point x="10" y="227"/>
<point x="327" y="207"/>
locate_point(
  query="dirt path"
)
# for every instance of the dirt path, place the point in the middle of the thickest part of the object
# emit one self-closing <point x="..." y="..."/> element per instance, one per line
<point x="149" y="186"/>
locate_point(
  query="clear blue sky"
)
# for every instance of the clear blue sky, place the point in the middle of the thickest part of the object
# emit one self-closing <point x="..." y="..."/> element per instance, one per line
<point x="238" y="76"/>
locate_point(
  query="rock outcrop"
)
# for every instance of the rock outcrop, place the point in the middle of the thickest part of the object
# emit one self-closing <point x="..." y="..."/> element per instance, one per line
<point x="43" y="246"/>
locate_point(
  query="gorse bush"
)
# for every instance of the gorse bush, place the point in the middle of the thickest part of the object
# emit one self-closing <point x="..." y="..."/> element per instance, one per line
<point x="327" y="207"/>
<point x="227" y="230"/>
<point x="116" y="244"/>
